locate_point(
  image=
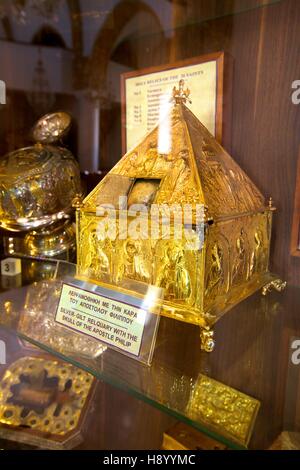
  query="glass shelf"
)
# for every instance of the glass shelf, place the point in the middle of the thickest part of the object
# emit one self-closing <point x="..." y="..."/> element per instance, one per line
<point x="209" y="11"/>
<point x="252" y="355"/>
<point x="213" y="10"/>
<point x="201" y="12"/>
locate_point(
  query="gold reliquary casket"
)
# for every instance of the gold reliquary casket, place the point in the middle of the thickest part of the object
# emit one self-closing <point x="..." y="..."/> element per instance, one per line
<point x="179" y="213"/>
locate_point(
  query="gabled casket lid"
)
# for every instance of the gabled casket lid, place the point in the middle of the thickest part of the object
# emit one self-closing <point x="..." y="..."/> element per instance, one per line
<point x="190" y="165"/>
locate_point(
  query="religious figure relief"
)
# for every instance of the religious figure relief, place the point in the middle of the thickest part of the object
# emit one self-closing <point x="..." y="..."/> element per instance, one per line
<point x="133" y="263"/>
<point x="240" y="263"/>
<point x="185" y="190"/>
<point x="162" y="162"/>
<point x="237" y="191"/>
<point x="173" y="274"/>
<point x="218" y="187"/>
<point x="149" y="160"/>
<point x="208" y="151"/>
<point x="257" y="262"/>
<point x="251" y="198"/>
<point x="97" y="260"/>
<point x="227" y="179"/>
<point x="130" y="165"/>
<point x="182" y="171"/>
<point x="180" y="175"/>
<point x="215" y="276"/>
<point x="217" y="181"/>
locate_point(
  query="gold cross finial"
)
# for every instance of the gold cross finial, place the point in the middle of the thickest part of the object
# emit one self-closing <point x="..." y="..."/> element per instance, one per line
<point x="181" y="95"/>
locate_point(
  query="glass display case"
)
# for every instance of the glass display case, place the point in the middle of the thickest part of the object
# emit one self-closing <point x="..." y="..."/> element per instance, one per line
<point x="112" y="110"/>
<point x="245" y="393"/>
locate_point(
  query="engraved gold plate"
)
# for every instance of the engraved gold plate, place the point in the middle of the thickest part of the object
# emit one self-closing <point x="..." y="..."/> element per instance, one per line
<point x="229" y="263"/>
<point x="44" y="398"/>
<point x="223" y="409"/>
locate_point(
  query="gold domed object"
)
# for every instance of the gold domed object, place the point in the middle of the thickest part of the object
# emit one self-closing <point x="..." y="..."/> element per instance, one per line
<point x="38" y="183"/>
<point x="222" y="253"/>
<point x="37" y="187"/>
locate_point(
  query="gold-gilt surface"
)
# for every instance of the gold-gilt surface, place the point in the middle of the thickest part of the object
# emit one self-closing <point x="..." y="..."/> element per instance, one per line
<point x="39" y="183"/>
<point x="224" y="409"/>
<point x="44" y="395"/>
<point x="55" y="241"/>
<point x="200" y="282"/>
<point x="36" y="184"/>
<point x="164" y="263"/>
<point x="195" y="170"/>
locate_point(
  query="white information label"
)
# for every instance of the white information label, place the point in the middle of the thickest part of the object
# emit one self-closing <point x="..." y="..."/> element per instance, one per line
<point x="110" y="321"/>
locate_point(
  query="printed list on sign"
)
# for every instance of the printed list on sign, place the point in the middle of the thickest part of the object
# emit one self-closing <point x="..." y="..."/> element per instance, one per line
<point x="110" y="321"/>
<point x="144" y="93"/>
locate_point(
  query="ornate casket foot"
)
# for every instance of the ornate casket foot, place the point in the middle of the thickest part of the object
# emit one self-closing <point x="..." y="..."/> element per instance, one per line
<point x="207" y="341"/>
<point x="276" y="284"/>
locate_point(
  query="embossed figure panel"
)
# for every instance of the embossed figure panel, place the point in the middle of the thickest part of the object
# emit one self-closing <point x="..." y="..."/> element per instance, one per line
<point x="202" y="228"/>
<point x="237" y="254"/>
<point x="166" y="263"/>
<point x="220" y="406"/>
